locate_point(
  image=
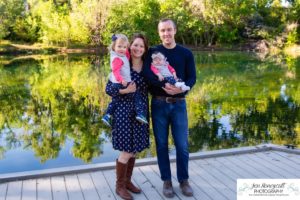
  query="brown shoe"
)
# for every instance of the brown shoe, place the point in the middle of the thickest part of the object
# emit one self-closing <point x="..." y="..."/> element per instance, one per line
<point x="186" y="188"/>
<point x="121" y="170"/>
<point x="129" y="184"/>
<point x="168" y="189"/>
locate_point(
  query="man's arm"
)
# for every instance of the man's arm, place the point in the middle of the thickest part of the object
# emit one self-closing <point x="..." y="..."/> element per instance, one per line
<point x="190" y="70"/>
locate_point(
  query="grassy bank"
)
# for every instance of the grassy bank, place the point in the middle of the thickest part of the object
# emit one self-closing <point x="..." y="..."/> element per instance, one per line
<point x="6" y="47"/>
<point x="9" y="48"/>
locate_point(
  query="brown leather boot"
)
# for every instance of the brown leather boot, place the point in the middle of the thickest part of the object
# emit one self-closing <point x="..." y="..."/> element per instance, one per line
<point x="129" y="184"/>
<point x="121" y="190"/>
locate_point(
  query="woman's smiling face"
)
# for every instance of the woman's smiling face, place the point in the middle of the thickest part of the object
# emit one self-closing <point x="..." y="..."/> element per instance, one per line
<point x="137" y="48"/>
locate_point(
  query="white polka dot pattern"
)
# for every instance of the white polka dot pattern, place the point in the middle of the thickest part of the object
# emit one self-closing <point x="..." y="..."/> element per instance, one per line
<point x="127" y="133"/>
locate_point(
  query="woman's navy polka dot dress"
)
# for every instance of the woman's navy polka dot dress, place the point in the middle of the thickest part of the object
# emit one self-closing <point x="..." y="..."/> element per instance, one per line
<point x="127" y="133"/>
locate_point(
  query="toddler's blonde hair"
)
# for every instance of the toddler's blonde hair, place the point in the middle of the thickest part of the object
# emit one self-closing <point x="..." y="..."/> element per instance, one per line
<point x="115" y="37"/>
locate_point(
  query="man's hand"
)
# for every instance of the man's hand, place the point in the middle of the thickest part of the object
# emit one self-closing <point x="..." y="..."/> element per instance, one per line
<point x="171" y="89"/>
<point x="131" y="88"/>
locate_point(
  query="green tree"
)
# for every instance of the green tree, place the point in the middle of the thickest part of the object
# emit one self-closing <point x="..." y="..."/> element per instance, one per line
<point x="26" y="29"/>
<point x="180" y="12"/>
<point x="10" y="10"/>
<point x="133" y="16"/>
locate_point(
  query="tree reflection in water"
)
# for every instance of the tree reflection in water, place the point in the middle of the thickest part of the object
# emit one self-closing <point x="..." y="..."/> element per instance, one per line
<point x="238" y="101"/>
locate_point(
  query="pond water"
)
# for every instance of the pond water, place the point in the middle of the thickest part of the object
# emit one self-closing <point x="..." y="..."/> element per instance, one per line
<point x="51" y="106"/>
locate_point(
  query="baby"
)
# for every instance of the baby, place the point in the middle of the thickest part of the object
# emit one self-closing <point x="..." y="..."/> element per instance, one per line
<point x="164" y="71"/>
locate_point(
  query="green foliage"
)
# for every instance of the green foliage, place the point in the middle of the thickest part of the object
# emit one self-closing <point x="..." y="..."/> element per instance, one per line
<point x="133" y="16"/>
<point x="26" y="29"/>
<point x="227" y="34"/>
<point x="92" y="22"/>
<point x="292" y="38"/>
<point x="10" y="10"/>
<point x="180" y="12"/>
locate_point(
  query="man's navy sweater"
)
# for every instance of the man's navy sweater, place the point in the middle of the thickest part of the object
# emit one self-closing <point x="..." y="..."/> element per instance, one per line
<point x="181" y="59"/>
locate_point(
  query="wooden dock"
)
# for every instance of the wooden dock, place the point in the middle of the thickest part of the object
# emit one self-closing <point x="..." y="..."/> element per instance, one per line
<point x="213" y="176"/>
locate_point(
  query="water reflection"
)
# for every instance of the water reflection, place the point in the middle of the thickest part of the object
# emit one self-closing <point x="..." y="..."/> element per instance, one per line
<point x="243" y="101"/>
<point x="239" y="100"/>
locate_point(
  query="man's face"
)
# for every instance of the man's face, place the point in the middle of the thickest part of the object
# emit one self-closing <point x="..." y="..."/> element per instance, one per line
<point x="167" y="33"/>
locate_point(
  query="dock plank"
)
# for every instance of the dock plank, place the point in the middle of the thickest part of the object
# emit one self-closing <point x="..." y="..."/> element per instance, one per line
<point x="261" y="165"/>
<point x="102" y="187"/>
<point x="155" y="180"/>
<point x="14" y="190"/>
<point x="292" y="165"/>
<point x="229" y="183"/>
<point x="203" y="170"/>
<point x="226" y="162"/>
<point x="73" y="187"/>
<point x="3" y="190"/>
<point x="59" y="188"/>
<point x="147" y="188"/>
<point x="248" y="165"/>
<point x="292" y="157"/>
<point x="283" y="168"/>
<point x="112" y="181"/>
<point x="224" y="170"/>
<point x="203" y="183"/>
<point x="198" y="192"/>
<point x="110" y="176"/>
<point x="211" y="178"/>
<point x="87" y="187"/>
<point x="29" y="191"/>
<point x="44" y="190"/>
<point x="175" y="182"/>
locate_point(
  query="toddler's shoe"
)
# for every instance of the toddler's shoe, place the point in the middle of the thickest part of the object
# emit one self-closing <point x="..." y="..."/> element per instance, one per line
<point x="141" y="119"/>
<point x="107" y="120"/>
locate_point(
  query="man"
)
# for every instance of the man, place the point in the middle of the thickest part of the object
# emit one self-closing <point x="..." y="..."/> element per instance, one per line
<point x="168" y="107"/>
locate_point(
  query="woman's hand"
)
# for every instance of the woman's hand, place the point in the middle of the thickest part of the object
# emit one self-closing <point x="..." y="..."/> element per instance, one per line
<point x="131" y="88"/>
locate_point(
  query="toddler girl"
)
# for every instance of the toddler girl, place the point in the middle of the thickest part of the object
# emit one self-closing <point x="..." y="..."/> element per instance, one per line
<point x="120" y="77"/>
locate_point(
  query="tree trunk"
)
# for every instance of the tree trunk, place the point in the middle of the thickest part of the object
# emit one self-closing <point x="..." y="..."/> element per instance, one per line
<point x="183" y="41"/>
<point x="211" y="39"/>
<point x="26" y="6"/>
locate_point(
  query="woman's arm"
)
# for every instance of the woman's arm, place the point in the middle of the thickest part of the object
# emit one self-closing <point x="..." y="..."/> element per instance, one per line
<point x="114" y="91"/>
<point x="131" y="88"/>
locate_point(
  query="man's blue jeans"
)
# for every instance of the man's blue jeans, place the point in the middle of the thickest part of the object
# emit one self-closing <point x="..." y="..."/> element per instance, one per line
<point x="163" y="115"/>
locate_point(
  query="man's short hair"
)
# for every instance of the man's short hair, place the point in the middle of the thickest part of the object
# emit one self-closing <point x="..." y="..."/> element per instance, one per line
<point x="165" y="20"/>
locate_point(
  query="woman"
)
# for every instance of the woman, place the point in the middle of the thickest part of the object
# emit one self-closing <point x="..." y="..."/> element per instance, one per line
<point x="128" y="135"/>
